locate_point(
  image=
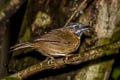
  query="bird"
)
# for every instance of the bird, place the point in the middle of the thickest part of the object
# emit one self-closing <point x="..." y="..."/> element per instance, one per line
<point x="58" y="42"/>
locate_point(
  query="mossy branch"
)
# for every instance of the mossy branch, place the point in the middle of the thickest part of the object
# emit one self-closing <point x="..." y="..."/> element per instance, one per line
<point x="90" y="54"/>
<point x="10" y="9"/>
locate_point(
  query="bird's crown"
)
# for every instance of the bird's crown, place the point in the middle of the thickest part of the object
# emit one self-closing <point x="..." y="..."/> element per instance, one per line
<point x="77" y="27"/>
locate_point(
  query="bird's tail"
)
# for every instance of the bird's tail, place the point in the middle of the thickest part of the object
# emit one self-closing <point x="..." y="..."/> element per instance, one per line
<point x="20" y="46"/>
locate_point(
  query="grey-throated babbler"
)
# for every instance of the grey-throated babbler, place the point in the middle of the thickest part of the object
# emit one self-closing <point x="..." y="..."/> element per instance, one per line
<point x="58" y="42"/>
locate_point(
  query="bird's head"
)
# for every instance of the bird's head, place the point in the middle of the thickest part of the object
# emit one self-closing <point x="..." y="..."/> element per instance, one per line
<point x="77" y="28"/>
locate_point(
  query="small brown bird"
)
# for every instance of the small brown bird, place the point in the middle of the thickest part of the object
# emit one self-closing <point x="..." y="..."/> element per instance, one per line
<point x="58" y="42"/>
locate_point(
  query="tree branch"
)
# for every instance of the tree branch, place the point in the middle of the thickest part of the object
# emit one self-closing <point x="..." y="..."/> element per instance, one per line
<point x="91" y="54"/>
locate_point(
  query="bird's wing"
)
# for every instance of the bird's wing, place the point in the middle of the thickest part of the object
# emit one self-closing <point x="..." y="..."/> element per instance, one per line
<point x="56" y="36"/>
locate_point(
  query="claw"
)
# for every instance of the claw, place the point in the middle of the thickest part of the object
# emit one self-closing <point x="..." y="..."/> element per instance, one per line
<point x="67" y="58"/>
<point x="52" y="60"/>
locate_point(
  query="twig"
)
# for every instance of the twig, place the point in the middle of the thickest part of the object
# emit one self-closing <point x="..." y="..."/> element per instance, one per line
<point x="10" y="9"/>
<point x="81" y="7"/>
<point x="74" y="59"/>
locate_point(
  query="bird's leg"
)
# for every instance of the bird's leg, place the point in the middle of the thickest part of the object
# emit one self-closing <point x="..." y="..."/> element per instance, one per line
<point x="67" y="57"/>
<point x="46" y="59"/>
<point x="49" y="60"/>
<point x="52" y="60"/>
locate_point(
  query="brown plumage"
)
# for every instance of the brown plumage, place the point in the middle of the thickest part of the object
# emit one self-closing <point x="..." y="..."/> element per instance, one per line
<point x="58" y="42"/>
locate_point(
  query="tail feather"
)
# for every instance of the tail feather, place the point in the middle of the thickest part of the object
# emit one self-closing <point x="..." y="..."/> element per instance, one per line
<point x="20" y="46"/>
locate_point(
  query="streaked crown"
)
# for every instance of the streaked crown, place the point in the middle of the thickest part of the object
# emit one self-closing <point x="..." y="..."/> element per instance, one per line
<point x="77" y="28"/>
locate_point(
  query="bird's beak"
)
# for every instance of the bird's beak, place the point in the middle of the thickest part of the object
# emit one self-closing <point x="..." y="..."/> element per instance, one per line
<point x="81" y="30"/>
<point x="85" y="28"/>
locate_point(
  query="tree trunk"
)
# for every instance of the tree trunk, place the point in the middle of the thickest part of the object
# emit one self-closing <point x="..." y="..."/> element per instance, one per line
<point x="104" y="16"/>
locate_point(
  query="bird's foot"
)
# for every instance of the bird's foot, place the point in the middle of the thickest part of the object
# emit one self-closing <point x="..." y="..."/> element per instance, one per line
<point x="67" y="58"/>
<point x="51" y="60"/>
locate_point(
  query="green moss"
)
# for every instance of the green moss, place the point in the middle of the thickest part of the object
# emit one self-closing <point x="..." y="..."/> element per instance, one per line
<point x="116" y="73"/>
<point x="111" y="51"/>
<point x="12" y="78"/>
<point x="68" y="77"/>
<point x="27" y="35"/>
<point x="2" y="14"/>
<point x="42" y="19"/>
<point x="104" y="41"/>
<point x="116" y="36"/>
